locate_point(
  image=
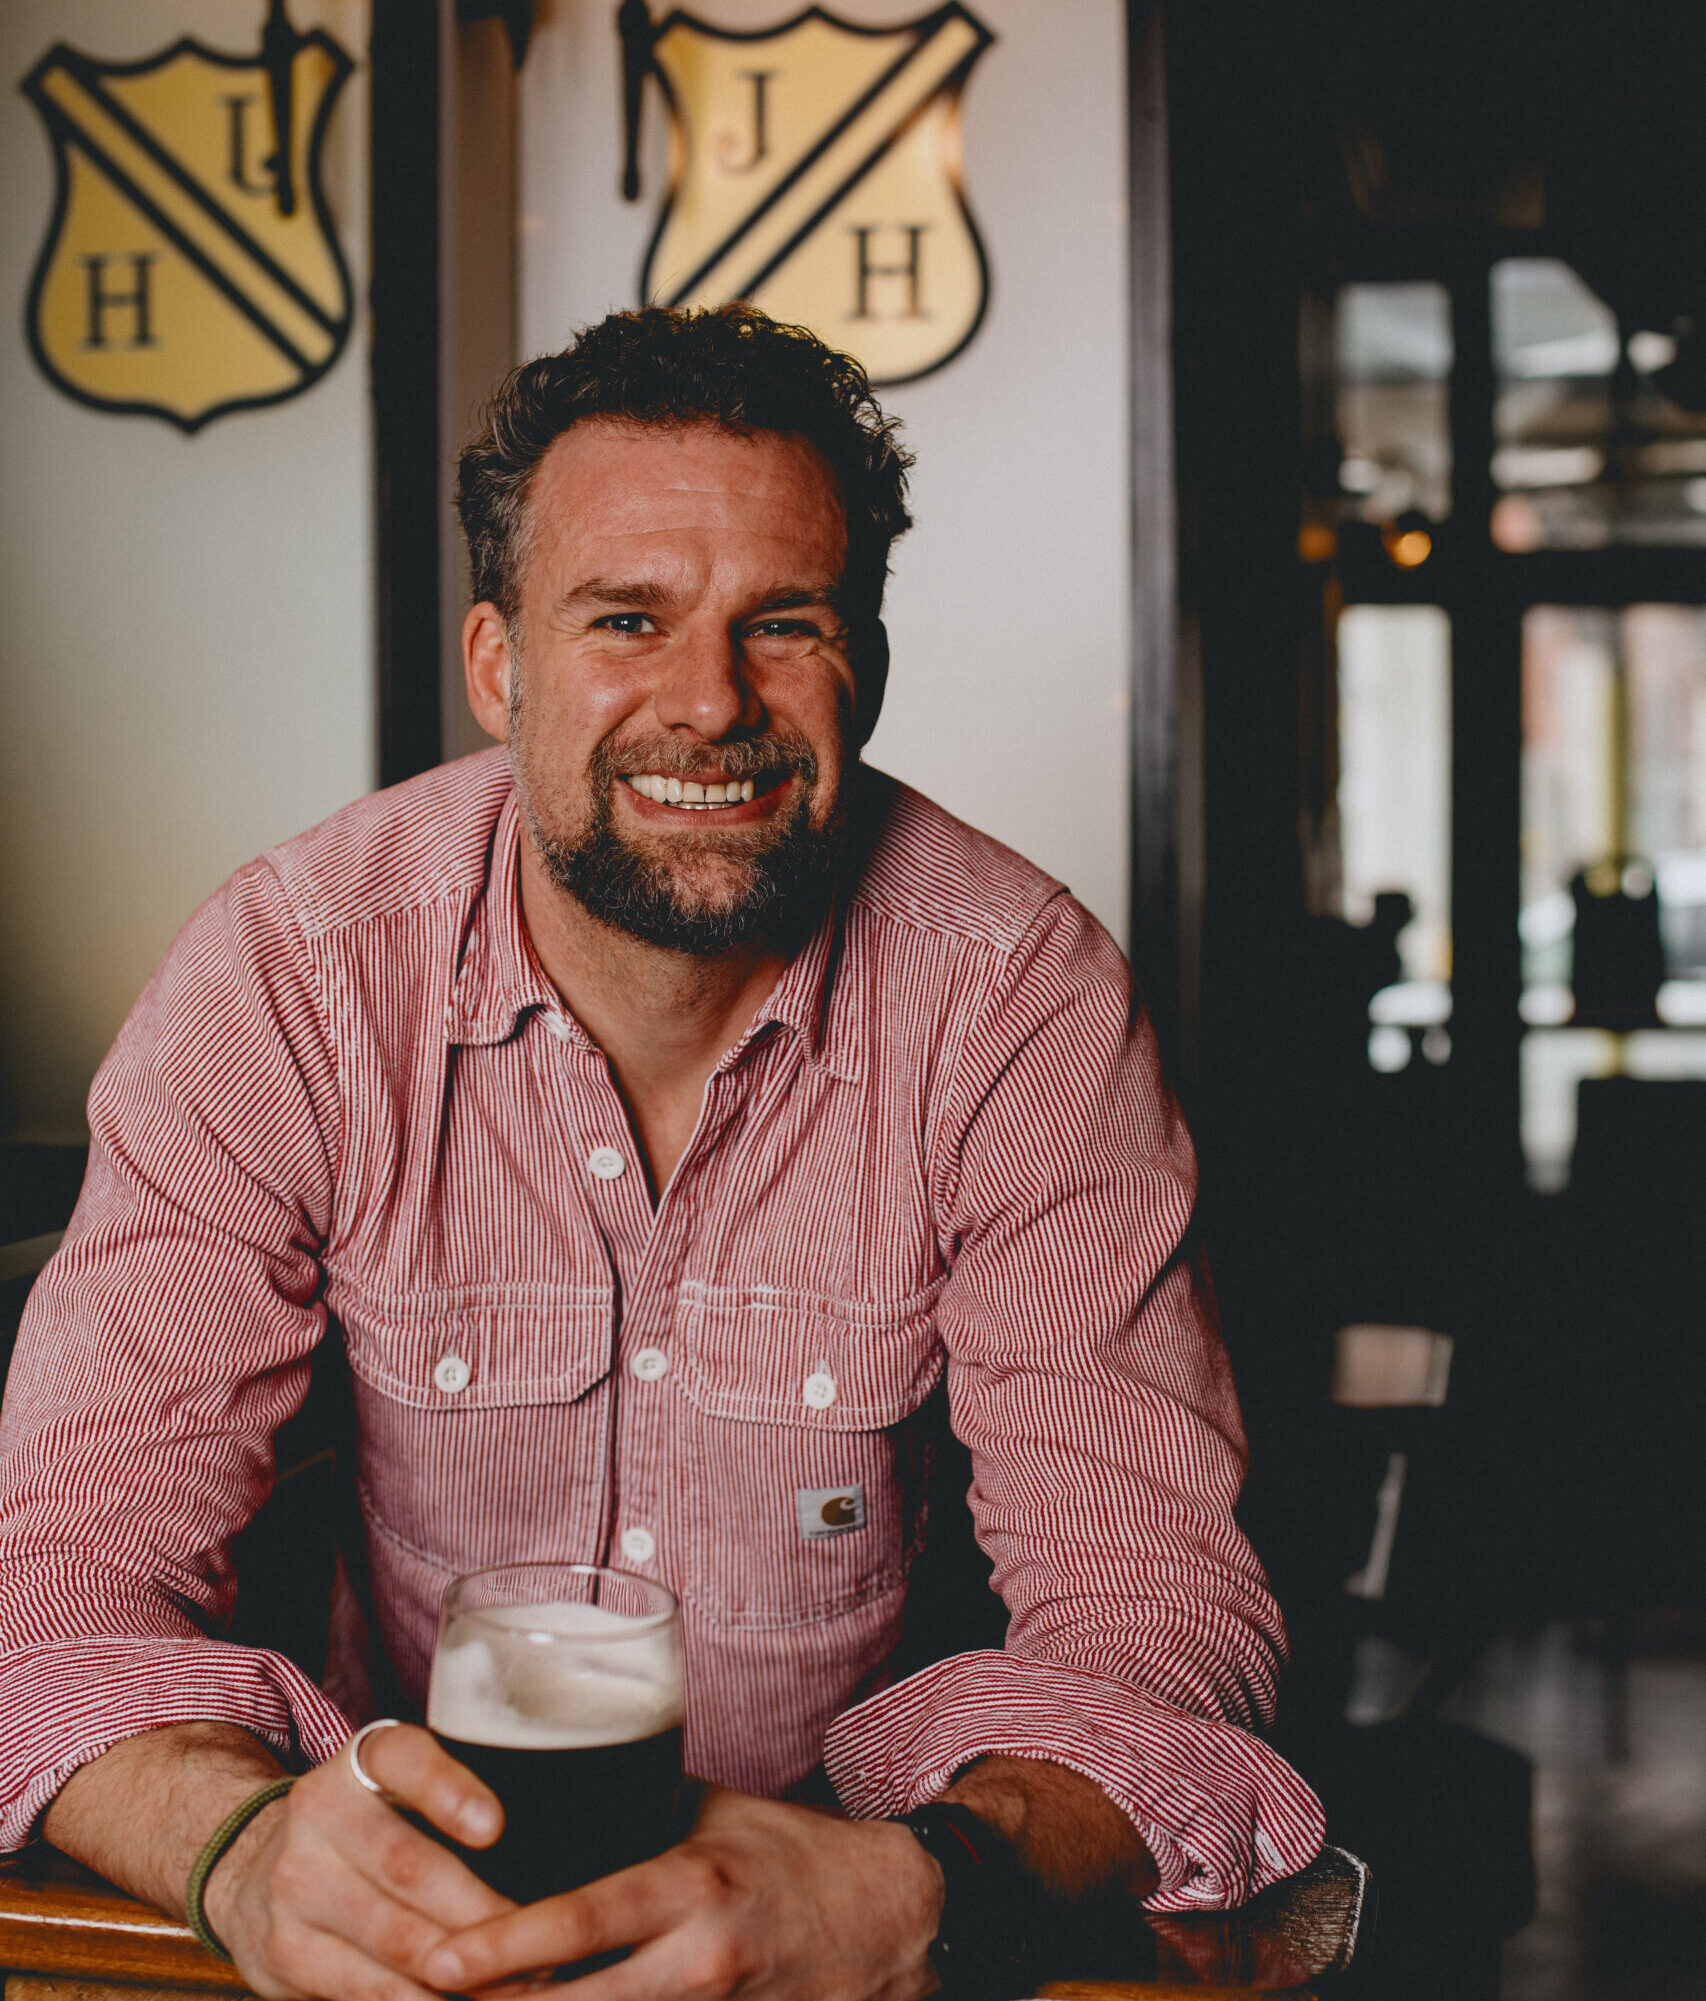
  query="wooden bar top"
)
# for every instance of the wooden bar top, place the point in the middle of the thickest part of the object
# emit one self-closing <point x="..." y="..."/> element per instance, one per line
<point x="65" y="1935"/>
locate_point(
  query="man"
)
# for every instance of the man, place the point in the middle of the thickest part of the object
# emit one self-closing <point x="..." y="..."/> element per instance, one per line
<point x="659" y="1111"/>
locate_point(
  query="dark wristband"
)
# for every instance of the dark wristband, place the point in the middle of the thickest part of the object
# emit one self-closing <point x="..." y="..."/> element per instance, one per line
<point x="982" y="1946"/>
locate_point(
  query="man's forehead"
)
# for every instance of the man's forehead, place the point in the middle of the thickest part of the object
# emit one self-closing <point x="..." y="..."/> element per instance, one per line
<point x="600" y="458"/>
<point x="629" y="502"/>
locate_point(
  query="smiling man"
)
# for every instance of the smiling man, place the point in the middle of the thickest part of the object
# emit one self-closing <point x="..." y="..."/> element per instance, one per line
<point x="658" y="1110"/>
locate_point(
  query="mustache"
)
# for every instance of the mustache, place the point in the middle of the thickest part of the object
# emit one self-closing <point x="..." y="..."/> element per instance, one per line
<point x="770" y="758"/>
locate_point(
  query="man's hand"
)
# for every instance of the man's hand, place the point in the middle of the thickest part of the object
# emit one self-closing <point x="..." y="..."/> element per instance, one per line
<point x="326" y="1892"/>
<point x="761" y="1900"/>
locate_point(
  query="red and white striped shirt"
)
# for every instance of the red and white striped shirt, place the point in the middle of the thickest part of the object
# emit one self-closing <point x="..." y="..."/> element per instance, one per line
<point x="350" y="1091"/>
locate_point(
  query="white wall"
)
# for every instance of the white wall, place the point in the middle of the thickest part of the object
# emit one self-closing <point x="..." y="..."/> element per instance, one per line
<point x="1009" y="608"/>
<point x="186" y="649"/>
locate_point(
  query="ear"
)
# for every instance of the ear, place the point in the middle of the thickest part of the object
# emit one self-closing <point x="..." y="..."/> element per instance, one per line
<point x="871" y="672"/>
<point x="488" y="666"/>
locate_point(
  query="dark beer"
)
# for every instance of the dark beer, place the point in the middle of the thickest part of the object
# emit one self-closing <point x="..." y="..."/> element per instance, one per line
<point x="572" y="1714"/>
<point x="575" y="1815"/>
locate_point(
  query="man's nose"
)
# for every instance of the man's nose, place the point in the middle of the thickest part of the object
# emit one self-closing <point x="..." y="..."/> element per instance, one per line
<point x="703" y="686"/>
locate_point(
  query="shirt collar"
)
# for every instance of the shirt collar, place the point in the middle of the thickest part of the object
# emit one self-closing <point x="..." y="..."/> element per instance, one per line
<point x="500" y="977"/>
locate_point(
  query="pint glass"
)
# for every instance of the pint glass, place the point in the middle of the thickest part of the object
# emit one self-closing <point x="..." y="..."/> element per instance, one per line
<point x="560" y="1685"/>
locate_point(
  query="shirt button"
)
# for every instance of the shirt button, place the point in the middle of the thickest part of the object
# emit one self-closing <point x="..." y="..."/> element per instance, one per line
<point x="639" y="1545"/>
<point x="557" y="1025"/>
<point x="605" y="1162"/>
<point x="819" y="1391"/>
<point x="452" y="1374"/>
<point x="650" y="1364"/>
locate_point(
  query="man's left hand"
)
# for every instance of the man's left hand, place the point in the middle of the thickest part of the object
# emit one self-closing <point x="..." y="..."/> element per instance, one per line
<point x="760" y="1900"/>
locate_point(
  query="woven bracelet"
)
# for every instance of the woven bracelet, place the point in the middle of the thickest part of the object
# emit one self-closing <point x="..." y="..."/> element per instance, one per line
<point x="205" y="1863"/>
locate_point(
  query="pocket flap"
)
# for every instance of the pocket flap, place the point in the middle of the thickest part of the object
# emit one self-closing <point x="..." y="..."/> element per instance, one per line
<point x="456" y="1353"/>
<point x="770" y="1359"/>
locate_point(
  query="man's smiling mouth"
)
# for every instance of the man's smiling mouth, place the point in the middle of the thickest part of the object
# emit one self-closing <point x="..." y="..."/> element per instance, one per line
<point x="688" y="792"/>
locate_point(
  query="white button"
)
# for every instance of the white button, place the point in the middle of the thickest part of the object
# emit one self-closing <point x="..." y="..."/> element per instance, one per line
<point x="638" y="1545"/>
<point x="819" y="1391"/>
<point x="650" y="1365"/>
<point x="558" y="1025"/>
<point x="451" y="1374"/>
<point x="605" y="1162"/>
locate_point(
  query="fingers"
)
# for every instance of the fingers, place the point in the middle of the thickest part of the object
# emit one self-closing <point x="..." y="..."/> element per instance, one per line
<point x="416" y="1770"/>
<point x="624" y="1909"/>
<point x="317" y="1962"/>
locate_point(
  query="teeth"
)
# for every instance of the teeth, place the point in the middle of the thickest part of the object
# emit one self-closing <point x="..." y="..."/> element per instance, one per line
<point x="688" y="792"/>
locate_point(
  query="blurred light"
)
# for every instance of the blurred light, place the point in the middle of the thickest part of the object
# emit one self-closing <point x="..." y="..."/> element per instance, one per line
<point x="1388" y="1049"/>
<point x="1412" y="1004"/>
<point x="1547" y="465"/>
<point x="1436" y="1045"/>
<point x="1359" y="475"/>
<point x="1546" y="1007"/>
<point x="1649" y="352"/>
<point x="1547" y="919"/>
<point x="1410" y="548"/>
<point x="1515" y="524"/>
<point x="1682" y="1003"/>
<point x="1694" y="496"/>
<point x="1673" y="455"/>
<point x="1637" y="880"/>
<point x="1316" y="541"/>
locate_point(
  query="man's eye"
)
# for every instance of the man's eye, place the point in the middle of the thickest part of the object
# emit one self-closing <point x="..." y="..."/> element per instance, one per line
<point x="786" y="628"/>
<point x="627" y="621"/>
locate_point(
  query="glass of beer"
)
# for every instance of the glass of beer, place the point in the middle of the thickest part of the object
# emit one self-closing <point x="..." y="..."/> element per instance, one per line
<point x="560" y="1685"/>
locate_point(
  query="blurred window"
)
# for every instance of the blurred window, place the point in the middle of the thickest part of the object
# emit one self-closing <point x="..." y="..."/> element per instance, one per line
<point x="1394" y="805"/>
<point x="1613" y="779"/>
<point x="1589" y="449"/>
<point x="1392" y="346"/>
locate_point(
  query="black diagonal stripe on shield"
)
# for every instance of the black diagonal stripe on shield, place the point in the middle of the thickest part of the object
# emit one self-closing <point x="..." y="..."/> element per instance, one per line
<point x="71" y="134"/>
<point x="156" y="186"/>
<point x="251" y="251"/>
<point x="843" y="154"/>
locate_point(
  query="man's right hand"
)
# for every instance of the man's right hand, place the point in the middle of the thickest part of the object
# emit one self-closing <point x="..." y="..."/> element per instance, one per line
<point x="327" y="1892"/>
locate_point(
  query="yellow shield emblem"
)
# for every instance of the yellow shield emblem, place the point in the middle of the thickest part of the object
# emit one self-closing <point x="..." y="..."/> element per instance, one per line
<point x="816" y="174"/>
<point x="191" y="267"/>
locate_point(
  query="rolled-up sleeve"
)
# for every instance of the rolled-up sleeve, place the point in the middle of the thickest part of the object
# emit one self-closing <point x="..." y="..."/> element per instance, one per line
<point x="1087" y="1377"/>
<point x="162" y="1347"/>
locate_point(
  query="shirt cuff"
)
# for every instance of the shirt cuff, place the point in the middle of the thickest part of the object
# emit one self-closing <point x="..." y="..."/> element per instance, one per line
<point x="63" y="1705"/>
<point x="1222" y="1814"/>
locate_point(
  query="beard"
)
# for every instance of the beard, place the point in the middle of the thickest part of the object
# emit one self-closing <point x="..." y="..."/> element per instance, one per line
<point x="702" y="894"/>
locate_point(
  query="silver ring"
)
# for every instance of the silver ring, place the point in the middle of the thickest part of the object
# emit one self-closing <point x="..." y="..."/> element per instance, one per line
<point x="362" y="1777"/>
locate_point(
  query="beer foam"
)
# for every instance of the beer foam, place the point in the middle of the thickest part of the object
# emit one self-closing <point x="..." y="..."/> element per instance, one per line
<point x="494" y="1681"/>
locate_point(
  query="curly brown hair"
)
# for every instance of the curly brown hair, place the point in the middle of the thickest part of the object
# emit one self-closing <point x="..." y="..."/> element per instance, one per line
<point x="733" y="366"/>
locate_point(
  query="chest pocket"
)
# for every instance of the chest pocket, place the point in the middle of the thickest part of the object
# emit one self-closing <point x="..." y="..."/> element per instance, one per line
<point x="784" y="1398"/>
<point x="437" y="1351"/>
<point x="483" y="1422"/>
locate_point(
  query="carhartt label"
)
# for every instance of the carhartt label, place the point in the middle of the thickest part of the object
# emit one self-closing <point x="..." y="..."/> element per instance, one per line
<point x="829" y="1510"/>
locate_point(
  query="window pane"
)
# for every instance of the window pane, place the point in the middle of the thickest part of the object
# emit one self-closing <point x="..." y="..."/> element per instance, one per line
<point x="1392" y="348"/>
<point x="1590" y="449"/>
<point x="1614" y="790"/>
<point x="1394" y="804"/>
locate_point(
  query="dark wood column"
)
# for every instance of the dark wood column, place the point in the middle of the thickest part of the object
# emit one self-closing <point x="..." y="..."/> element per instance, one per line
<point x="405" y="360"/>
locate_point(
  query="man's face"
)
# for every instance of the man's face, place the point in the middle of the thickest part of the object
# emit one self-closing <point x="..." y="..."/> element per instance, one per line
<point x="681" y="693"/>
